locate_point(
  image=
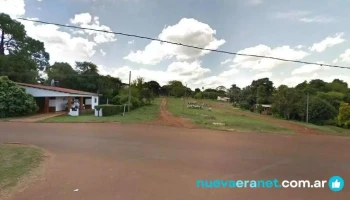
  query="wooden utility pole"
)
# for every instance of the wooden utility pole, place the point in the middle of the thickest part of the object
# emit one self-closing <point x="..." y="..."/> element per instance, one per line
<point x="129" y="91"/>
<point x="307" y="108"/>
<point x="183" y="106"/>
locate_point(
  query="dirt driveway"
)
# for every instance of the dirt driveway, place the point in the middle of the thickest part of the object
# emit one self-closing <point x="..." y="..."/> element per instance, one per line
<point x="111" y="161"/>
<point x="167" y="119"/>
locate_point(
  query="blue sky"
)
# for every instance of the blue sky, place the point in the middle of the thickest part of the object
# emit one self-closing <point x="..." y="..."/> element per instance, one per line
<point x="302" y="30"/>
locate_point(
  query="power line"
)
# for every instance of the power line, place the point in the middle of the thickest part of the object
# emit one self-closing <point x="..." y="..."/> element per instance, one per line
<point x="185" y="45"/>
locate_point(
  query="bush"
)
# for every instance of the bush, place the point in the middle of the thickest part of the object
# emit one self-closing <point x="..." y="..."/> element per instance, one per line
<point x="198" y="95"/>
<point x="260" y="109"/>
<point x="320" y="111"/>
<point x="244" y="105"/>
<point x="14" y="101"/>
<point x="109" y="110"/>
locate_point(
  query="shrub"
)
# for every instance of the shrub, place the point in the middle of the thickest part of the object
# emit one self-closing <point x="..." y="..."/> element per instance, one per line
<point x="198" y="95"/>
<point x="320" y="111"/>
<point x="244" y="105"/>
<point x="14" y="101"/>
<point x="260" y="109"/>
<point x="109" y="110"/>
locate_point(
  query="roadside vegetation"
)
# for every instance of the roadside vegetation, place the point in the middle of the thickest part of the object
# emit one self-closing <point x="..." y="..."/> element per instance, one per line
<point x="16" y="162"/>
<point x="218" y="119"/>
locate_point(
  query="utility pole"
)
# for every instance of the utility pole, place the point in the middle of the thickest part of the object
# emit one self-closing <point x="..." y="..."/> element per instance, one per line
<point x="129" y="91"/>
<point x="307" y="108"/>
<point x="183" y="106"/>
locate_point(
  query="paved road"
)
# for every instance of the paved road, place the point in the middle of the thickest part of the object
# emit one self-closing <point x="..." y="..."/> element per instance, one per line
<point x="110" y="161"/>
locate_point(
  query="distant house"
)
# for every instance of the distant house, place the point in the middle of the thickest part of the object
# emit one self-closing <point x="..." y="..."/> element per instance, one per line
<point x="226" y="99"/>
<point x="54" y="99"/>
<point x="266" y="108"/>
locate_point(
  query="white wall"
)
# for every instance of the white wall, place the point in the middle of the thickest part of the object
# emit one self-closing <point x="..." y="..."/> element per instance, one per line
<point x="61" y="103"/>
<point x="94" y="102"/>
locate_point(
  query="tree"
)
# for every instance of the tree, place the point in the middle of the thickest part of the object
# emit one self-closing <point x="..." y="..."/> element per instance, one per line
<point x="14" y="101"/>
<point x="198" y="95"/>
<point x="11" y="35"/>
<point x="197" y="90"/>
<point x="89" y="78"/>
<point x="21" y="57"/>
<point x="234" y="93"/>
<point x="177" y="89"/>
<point x="334" y="98"/>
<point x="64" y="74"/>
<point x="154" y="87"/>
<point x="287" y="102"/>
<point x="261" y="95"/>
<point x="344" y="115"/>
<point x="320" y="111"/>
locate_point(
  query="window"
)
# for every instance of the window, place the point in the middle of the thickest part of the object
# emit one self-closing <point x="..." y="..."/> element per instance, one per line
<point x="95" y="99"/>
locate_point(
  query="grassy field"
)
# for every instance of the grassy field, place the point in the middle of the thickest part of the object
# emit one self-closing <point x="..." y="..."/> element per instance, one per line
<point x="143" y="114"/>
<point x="15" y="162"/>
<point x="333" y="130"/>
<point x="238" y="122"/>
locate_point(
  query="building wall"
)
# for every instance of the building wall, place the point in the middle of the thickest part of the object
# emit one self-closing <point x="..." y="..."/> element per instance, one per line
<point x="94" y="102"/>
<point x="61" y="103"/>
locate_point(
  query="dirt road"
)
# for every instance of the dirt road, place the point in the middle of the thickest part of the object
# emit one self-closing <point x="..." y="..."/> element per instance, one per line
<point x="110" y="161"/>
<point x="167" y="119"/>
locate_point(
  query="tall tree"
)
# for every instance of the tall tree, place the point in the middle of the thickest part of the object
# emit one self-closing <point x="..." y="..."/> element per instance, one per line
<point x="89" y="78"/>
<point x="154" y="87"/>
<point x="64" y="74"/>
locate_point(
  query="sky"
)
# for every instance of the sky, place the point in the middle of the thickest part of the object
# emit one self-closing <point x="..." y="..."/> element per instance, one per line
<point x="301" y="30"/>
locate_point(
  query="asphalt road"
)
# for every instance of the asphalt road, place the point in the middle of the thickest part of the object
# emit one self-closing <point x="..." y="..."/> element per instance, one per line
<point x="111" y="161"/>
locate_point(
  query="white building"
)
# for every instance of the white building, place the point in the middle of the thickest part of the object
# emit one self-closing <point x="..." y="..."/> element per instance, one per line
<point x="54" y="99"/>
<point x="226" y="99"/>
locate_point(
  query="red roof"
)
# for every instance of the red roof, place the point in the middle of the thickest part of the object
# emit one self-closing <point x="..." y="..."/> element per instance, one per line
<point x="57" y="89"/>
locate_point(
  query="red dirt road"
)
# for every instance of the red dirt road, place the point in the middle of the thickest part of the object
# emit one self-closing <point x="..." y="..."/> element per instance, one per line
<point x="110" y="161"/>
<point x="167" y="119"/>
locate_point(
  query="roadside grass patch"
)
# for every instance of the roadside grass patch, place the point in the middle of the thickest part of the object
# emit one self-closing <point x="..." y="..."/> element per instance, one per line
<point x="17" y="161"/>
<point x="231" y="121"/>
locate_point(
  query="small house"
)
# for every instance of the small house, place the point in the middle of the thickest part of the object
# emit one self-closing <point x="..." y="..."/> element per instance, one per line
<point x="54" y="99"/>
<point x="226" y="99"/>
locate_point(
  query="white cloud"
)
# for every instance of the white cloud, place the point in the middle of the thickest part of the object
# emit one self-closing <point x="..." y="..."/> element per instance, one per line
<point x="102" y="52"/>
<point x="186" y="31"/>
<point x="317" y="19"/>
<point x="335" y="60"/>
<point x="328" y="42"/>
<point x="303" y="16"/>
<point x="299" y="46"/>
<point x="62" y="46"/>
<point x="14" y="8"/>
<point x="183" y="71"/>
<point x="292" y="14"/>
<point x="131" y="42"/>
<point x="226" y="61"/>
<point x="85" y="20"/>
<point x="345" y="57"/>
<point x="255" y="2"/>
<point x="265" y="64"/>
<point x="263" y="75"/>
<point x="306" y="69"/>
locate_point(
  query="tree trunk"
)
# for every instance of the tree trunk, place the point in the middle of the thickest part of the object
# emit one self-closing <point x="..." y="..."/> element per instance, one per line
<point x="2" y="43"/>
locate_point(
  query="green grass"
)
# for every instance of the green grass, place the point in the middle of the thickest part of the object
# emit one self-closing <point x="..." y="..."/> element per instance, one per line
<point x="142" y="114"/>
<point x="15" y="162"/>
<point x="238" y="121"/>
<point x="332" y="130"/>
